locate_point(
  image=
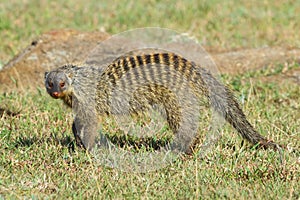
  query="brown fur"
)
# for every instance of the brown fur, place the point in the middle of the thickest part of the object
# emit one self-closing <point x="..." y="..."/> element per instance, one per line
<point x="91" y="92"/>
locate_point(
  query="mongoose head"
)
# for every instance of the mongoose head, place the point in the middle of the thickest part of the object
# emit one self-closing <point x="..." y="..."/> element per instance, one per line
<point x="58" y="84"/>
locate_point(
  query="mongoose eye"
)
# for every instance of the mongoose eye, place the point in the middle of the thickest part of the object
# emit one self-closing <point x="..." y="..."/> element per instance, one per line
<point x="50" y="84"/>
<point x="62" y="84"/>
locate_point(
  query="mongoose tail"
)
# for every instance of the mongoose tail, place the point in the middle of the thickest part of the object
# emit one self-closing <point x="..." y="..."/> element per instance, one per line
<point x="224" y="102"/>
<point x="235" y="117"/>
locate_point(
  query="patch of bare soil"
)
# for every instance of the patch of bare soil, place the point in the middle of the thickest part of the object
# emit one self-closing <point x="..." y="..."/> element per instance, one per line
<point x="51" y="50"/>
<point x="55" y="48"/>
<point x="249" y="60"/>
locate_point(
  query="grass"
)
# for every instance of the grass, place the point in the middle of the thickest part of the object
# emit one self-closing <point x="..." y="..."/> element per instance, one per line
<point x="35" y="156"/>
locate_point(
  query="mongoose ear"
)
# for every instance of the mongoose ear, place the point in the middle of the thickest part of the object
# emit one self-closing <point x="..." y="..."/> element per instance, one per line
<point x="46" y="74"/>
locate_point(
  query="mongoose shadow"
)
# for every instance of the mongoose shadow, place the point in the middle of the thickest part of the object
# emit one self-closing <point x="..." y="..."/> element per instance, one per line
<point x="8" y="112"/>
<point x="23" y="141"/>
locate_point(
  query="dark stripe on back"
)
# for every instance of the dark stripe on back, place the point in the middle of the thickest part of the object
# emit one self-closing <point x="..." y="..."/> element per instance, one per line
<point x="140" y="60"/>
<point x="132" y="61"/>
<point x="148" y="59"/>
<point x="125" y="65"/>
<point x="166" y="59"/>
<point x="156" y="58"/>
<point x="120" y="63"/>
<point x="175" y="59"/>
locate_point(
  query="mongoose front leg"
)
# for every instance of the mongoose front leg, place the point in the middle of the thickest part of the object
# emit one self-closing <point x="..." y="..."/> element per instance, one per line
<point x="85" y="129"/>
<point x="78" y="141"/>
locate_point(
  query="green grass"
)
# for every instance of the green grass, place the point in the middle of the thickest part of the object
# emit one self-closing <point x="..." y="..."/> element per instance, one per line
<point x="36" y="160"/>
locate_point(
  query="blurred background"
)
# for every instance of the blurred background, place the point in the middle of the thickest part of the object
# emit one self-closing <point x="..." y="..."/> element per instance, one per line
<point x="217" y="24"/>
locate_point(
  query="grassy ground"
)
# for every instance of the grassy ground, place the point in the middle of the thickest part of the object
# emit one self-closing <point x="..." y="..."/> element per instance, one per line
<point x="34" y="145"/>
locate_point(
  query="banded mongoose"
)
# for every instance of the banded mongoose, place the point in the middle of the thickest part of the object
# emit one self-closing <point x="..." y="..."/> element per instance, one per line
<point x="91" y="91"/>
